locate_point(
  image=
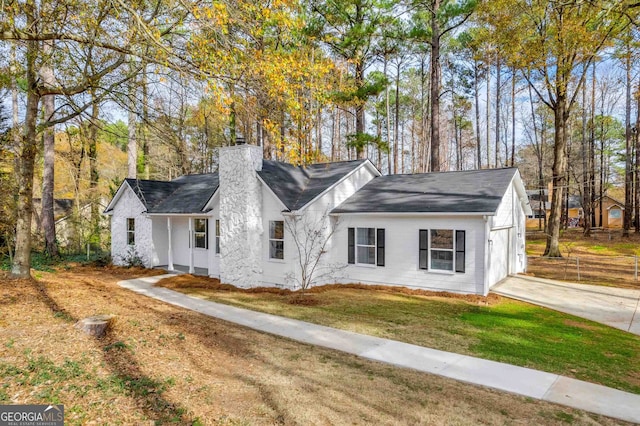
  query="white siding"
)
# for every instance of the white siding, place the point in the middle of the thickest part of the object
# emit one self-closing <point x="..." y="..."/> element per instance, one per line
<point x="504" y="214"/>
<point x="313" y="216"/>
<point x="181" y="246"/>
<point x="507" y="238"/>
<point x="129" y="206"/>
<point x="498" y="255"/>
<point x="274" y="270"/>
<point x="160" y="240"/>
<point x="343" y="190"/>
<point x="402" y="253"/>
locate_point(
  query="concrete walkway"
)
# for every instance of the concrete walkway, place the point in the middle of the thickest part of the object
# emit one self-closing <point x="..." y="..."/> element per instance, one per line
<point x="522" y="381"/>
<point x="616" y="307"/>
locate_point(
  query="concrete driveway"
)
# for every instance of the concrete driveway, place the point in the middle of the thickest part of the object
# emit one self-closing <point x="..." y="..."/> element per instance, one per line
<point x="616" y="307"/>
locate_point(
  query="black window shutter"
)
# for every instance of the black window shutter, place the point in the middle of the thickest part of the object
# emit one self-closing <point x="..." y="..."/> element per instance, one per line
<point x="352" y="246"/>
<point x="460" y="251"/>
<point x="206" y="234"/>
<point x="424" y="249"/>
<point x="380" y="247"/>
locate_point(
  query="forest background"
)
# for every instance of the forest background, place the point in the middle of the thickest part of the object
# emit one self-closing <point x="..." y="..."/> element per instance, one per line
<point x="96" y="91"/>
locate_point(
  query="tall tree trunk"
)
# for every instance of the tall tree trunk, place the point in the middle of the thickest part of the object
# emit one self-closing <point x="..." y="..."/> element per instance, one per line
<point x="628" y="170"/>
<point x="359" y="70"/>
<point x="145" y="123"/>
<point x="27" y="154"/>
<point x="586" y="191"/>
<point x="592" y="147"/>
<point x="435" y="90"/>
<point x="476" y="96"/>
<point x="132" y="143"/>
<point x="488" y="116"/>
<point x="498" y="99"/>
<point x="513" y="118"/>
<point x="94" y="175"/>
<point x="560" y="116"/>
<point x="48" y="102"/>
<point x="396" y="121"/>
<point x="387" y="107"/>
<point x="637" y="165"/>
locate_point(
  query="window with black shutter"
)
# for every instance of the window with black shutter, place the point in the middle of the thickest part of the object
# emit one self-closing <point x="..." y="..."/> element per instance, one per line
<point x="442" y="250"/>
<point x="460" y="251"/>
<point x="380" y="247"/>
<point x="424" y="249"/>
<point x="352" y="246"/>
<point x="366" y="246"/>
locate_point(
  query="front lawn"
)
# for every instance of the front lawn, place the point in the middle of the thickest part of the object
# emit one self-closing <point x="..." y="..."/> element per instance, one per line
<point x="493" y="328"/>
<point x="160" y="364"/>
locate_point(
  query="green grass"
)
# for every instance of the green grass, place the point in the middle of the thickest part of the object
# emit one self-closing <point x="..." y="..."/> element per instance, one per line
<point x="509" y="331"/>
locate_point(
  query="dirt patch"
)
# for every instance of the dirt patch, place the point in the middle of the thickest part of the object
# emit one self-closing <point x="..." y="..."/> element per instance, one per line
<point x="164" y="364"/>
<point x="577" y="324"/>
<point x="304" y="300"/>
<point x="188" y="281"/>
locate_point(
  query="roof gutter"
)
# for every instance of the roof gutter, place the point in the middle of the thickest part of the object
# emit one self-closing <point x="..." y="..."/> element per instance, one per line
<point x="414" y="213"/>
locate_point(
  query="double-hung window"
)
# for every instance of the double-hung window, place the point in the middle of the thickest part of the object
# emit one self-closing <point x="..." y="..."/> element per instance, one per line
<point x="442" y="250"/>
<point x="276" y="239"/>
<point x="200" y="233"/>
<point x="366" y="246"/>
<point x="131" y="231"/>
<point x="217" y="236"/>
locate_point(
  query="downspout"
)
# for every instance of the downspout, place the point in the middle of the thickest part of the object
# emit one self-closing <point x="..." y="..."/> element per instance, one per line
<point x="170" y="249"/>
<point x="191" y="244"/>
<point x="487" y="256"/>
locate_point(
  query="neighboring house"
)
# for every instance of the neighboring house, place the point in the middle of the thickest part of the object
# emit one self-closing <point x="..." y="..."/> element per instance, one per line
<point x="612" y="212"/>
<point x="453" y="231"/>
<point x="73" y="225"/>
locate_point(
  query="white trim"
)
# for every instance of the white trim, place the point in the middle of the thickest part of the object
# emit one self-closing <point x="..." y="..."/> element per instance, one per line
<point x="615" y="205"/>
<point x="201" y="214"/>
<point x="170" y="248"/>
<point x="443" y="214"/>
<point x="191" y="248"/>
<point x="212" y="197"/>
<point x="499" y="228"/>
<point x="109" y="209"/>
<point x="522" y="193"/>
<point x="374" y="245"/>
<point x="274" y="194"/>
<point x="345" y="177"/>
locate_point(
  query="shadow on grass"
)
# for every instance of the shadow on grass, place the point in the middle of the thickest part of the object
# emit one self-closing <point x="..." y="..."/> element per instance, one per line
<point x="127" y="376"/>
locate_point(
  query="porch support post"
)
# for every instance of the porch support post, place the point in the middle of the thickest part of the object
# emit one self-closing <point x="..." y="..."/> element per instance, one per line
<point x="191" y="244"/>
<point x="170" y="249"/>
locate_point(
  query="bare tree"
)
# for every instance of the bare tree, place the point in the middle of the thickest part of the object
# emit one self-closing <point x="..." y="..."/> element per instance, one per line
<point x="311" y="235"/>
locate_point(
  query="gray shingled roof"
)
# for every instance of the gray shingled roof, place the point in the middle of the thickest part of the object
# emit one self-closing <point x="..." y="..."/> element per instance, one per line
<point x="297" y="186"/>
<point x="151" y="192"/>
<point x="477" y="191"/>
<point x="186" y="194"/>
<point x="190" y="196"/>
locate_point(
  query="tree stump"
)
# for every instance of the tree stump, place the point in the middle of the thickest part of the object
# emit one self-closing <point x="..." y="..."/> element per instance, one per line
<point x="96" y="326"/>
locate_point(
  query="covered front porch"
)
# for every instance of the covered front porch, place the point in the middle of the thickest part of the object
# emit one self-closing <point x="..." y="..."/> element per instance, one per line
<point x="185" y="244"/>
<point x="184" y="269"/>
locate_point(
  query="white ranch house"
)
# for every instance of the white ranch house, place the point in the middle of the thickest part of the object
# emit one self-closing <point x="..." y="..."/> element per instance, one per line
<point x="455" y="231"/>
